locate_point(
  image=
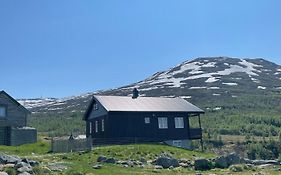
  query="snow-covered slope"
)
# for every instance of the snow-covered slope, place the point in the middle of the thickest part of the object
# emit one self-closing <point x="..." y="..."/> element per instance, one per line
<point x="197" y="80"/>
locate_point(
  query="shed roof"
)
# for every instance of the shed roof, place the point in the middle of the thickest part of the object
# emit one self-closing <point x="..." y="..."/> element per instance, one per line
<point x="146" y="104"/>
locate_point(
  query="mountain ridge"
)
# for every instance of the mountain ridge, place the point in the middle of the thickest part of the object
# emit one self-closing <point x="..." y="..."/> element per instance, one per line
<point x="196" y="80"/>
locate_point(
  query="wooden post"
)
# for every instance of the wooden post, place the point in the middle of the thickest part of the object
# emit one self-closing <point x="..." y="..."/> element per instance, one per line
<point x="201" y="140"/>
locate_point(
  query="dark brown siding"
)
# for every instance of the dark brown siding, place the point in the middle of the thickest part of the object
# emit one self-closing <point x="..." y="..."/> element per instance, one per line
<point x="132" y="124"/>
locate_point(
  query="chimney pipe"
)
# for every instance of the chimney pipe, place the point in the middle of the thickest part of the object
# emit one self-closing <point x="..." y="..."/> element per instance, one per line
<point x="135" y="93"/>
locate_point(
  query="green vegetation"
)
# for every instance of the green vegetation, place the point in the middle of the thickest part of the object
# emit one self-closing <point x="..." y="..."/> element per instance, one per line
<point x="53" y="124"/>
<point x="27" y="149"/>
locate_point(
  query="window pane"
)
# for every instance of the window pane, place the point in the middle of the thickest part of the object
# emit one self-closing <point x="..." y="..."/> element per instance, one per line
<point x="179" y="122"/>
<point x="2" y="111"/>
<point x="146" y="120"/>
<point x="102" y="125"/>
<point x="90" y="128"/>
<point x="162" y="122"/>
<point x="96" y="126"/>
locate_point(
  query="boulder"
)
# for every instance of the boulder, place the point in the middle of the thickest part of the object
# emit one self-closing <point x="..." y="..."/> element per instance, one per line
<point x="221" y="162"/>
<point x="31" y="162"/>
<point x="101" y="159"/>
<point x="167" y="162"/>
<point x="3" y="173"/>
<point x="110" y="160"/>
<point x="233" y="159"/>
<point x="202" y="164"/>
<point x="23" y="167"/>
<point x="4" y="159"/>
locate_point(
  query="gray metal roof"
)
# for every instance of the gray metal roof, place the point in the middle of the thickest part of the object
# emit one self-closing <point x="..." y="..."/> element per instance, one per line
<point x="147" y="104"/>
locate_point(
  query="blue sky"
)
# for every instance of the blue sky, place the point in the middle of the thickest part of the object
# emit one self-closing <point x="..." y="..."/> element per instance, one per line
<point x="68" y="47"/>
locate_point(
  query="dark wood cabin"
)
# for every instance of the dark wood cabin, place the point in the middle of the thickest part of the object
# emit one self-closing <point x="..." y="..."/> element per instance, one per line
<point x="119" y="119"/>
<point x="13" y="122"/>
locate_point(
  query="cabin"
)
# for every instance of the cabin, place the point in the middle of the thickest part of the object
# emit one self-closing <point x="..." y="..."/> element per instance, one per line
<point x="13" y="122"/>
<point x="121" y="119"/>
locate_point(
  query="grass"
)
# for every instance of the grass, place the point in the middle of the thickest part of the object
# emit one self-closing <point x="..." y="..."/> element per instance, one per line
<point x="82" y="162"/>
<point x="40" y="147"/>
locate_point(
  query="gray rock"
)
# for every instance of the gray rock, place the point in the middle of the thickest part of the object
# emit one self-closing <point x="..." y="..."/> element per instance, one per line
<point x="97" y="167"/>
<point x="221" y="162"/>
<point x="184" y="165"/>
<point x="158" y="167"/>
<point x="3" y="173"/>
<point x="23" y="167"/>
<point x="143" y="161"/>
<point x="167" y="162"/>
<point x="184" y="161"/>
<point x="101" y="159"/>
<point x="262" y="162"/>
<point x="110" y="160"/>
<point x="235" y="168"/>
<point x="202" y="164"/>
<point x="233" y="159"/>
<point x="4" y="159"/>
<point x="31" y="162"/>
<point x="266" y="166"/>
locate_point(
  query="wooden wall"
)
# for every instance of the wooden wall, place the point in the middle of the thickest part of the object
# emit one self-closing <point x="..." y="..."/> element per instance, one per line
<point x="16" y="116"/>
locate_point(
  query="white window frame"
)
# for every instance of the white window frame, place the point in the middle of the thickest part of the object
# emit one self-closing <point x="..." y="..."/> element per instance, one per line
<point x="179" y="122"/>
<point x="96" y="126"/>
<point x="3" y="112"/>
<point x="162" y="122"/>
<point x="90" y="128"/>
<point x="146" y="120"/>
<point x="95" y="106"/>
<point x="102" y="125"/>
<point x="177" y="143"/>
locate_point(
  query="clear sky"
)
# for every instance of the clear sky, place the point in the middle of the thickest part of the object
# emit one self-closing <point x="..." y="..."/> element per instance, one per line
<point x="58" y="48"/>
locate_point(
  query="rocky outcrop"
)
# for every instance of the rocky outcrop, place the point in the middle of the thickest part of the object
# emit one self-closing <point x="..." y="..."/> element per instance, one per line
<point x="167" y="162"/>
<point x="202" y="164"/>
<point x="22" y="166"/>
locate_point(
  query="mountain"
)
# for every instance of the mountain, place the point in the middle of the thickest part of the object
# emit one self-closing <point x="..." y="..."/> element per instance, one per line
<point x="209" y="82"/>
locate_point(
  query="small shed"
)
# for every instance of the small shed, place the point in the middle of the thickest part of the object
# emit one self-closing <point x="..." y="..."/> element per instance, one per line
<point x="120" y="119"/>
<point x="13" y="122"/>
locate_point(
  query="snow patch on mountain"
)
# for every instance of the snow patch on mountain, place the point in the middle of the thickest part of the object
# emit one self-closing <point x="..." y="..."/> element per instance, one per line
<point x="230" y="84"/>
<point x="261" y="87"/>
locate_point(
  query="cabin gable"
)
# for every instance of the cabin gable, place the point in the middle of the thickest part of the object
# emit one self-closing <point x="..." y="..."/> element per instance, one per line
<point x="96" y="110"/>
<point x="11" y="112"/>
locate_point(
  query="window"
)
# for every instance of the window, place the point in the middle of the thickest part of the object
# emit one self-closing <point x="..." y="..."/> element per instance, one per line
<point x="102" y="125"/>
<point x="95" y="107"/>
<point x="3" y="111"/>
<point x="96" y="127"/>
<point x="162" y="122"/>
<point x="90" y="128"/>
<point x="177" y="143"/>
<point x="146" y="120"/>
<point x="179" y="122"/>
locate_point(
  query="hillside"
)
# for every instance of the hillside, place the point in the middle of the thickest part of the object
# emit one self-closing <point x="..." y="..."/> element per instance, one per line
<point x="210" y="78"/>
<point x="239" y="96"/>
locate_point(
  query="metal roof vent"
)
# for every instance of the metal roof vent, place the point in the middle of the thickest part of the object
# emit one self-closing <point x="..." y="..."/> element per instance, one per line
<point x="135" y="93"/>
